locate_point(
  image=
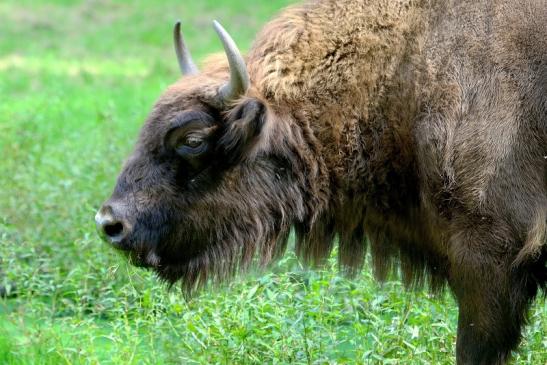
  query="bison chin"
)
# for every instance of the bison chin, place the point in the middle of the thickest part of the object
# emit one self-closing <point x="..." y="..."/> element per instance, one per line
<point x="140" y="255"/>
<point x="143" y="258"/>
<point x="217" y="259"/>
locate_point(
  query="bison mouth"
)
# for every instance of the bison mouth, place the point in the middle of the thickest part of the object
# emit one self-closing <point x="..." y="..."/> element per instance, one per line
<point x="144" y="259"/>
<point x="191" y="270"/>
<point x="141" y="257"/>
<point x="168" y="264"/>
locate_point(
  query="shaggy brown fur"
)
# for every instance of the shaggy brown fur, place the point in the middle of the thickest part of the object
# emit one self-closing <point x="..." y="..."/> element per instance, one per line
<point x="416" y="127"/>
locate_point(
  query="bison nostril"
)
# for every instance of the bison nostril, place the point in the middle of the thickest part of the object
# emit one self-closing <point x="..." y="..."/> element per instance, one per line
<point x="113" y="230"/>
<point x="110" y="227"/>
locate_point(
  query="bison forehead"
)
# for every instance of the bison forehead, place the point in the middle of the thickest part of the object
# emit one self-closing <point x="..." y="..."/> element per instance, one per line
<point x="196" y="93"/>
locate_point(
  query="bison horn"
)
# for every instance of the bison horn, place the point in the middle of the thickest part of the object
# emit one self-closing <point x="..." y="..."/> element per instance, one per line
<point x="239" y="77"/>
<point x="187" y="66"/>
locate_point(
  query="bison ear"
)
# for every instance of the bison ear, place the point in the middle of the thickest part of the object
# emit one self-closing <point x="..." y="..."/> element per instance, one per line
<point x="242" y="130"/>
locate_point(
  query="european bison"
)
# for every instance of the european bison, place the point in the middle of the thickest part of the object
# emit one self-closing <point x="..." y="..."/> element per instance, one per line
<point x="416" y="127"/>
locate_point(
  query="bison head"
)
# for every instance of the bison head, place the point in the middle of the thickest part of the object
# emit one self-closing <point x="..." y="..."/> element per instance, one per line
<point x="212" y="180"/>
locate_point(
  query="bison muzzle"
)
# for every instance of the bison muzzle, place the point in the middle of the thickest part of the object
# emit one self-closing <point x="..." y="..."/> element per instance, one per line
<point x="417" y="129"/>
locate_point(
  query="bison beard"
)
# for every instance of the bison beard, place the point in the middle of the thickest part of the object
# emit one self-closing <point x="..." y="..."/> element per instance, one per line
<point x="416" y="128"/>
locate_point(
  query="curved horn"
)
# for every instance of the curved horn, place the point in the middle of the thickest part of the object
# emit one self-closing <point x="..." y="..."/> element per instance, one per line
<point x="187" y="66"/>
<point x="239" y="77"/>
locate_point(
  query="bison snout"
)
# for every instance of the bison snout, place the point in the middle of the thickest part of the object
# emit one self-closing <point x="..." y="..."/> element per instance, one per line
<point x="111" y="226"/>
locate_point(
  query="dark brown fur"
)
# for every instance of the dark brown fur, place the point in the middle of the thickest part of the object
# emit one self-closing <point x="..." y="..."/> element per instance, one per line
<point x="418" y="128"/>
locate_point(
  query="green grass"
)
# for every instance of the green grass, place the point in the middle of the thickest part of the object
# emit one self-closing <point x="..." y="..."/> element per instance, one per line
<point x="76" y="81"/>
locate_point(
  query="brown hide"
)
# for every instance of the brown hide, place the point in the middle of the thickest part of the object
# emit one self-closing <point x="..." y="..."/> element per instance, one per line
<point x="417" y="128"/>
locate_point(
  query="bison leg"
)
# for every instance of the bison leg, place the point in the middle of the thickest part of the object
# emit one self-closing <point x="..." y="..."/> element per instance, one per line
<point x="493" y="299"/>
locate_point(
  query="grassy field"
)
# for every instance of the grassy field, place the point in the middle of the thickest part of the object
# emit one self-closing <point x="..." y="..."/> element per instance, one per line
<point x="76" y="81"/>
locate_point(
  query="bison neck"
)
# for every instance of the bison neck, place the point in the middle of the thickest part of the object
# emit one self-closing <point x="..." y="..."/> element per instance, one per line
<point x="348" y="73"/>
<point x="349" y="76"/>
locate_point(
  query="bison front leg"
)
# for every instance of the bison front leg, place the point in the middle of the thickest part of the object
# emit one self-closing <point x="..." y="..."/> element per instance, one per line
<point x="491" y="296"/>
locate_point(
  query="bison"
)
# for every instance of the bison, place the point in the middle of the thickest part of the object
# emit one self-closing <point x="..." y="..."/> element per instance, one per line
<point x="416" y="128"/>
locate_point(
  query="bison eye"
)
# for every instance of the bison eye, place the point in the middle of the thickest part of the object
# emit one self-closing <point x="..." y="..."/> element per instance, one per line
<point x="190" y="144"/>
<point x="190" y="141"/>
<point x="190" y="135"/>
